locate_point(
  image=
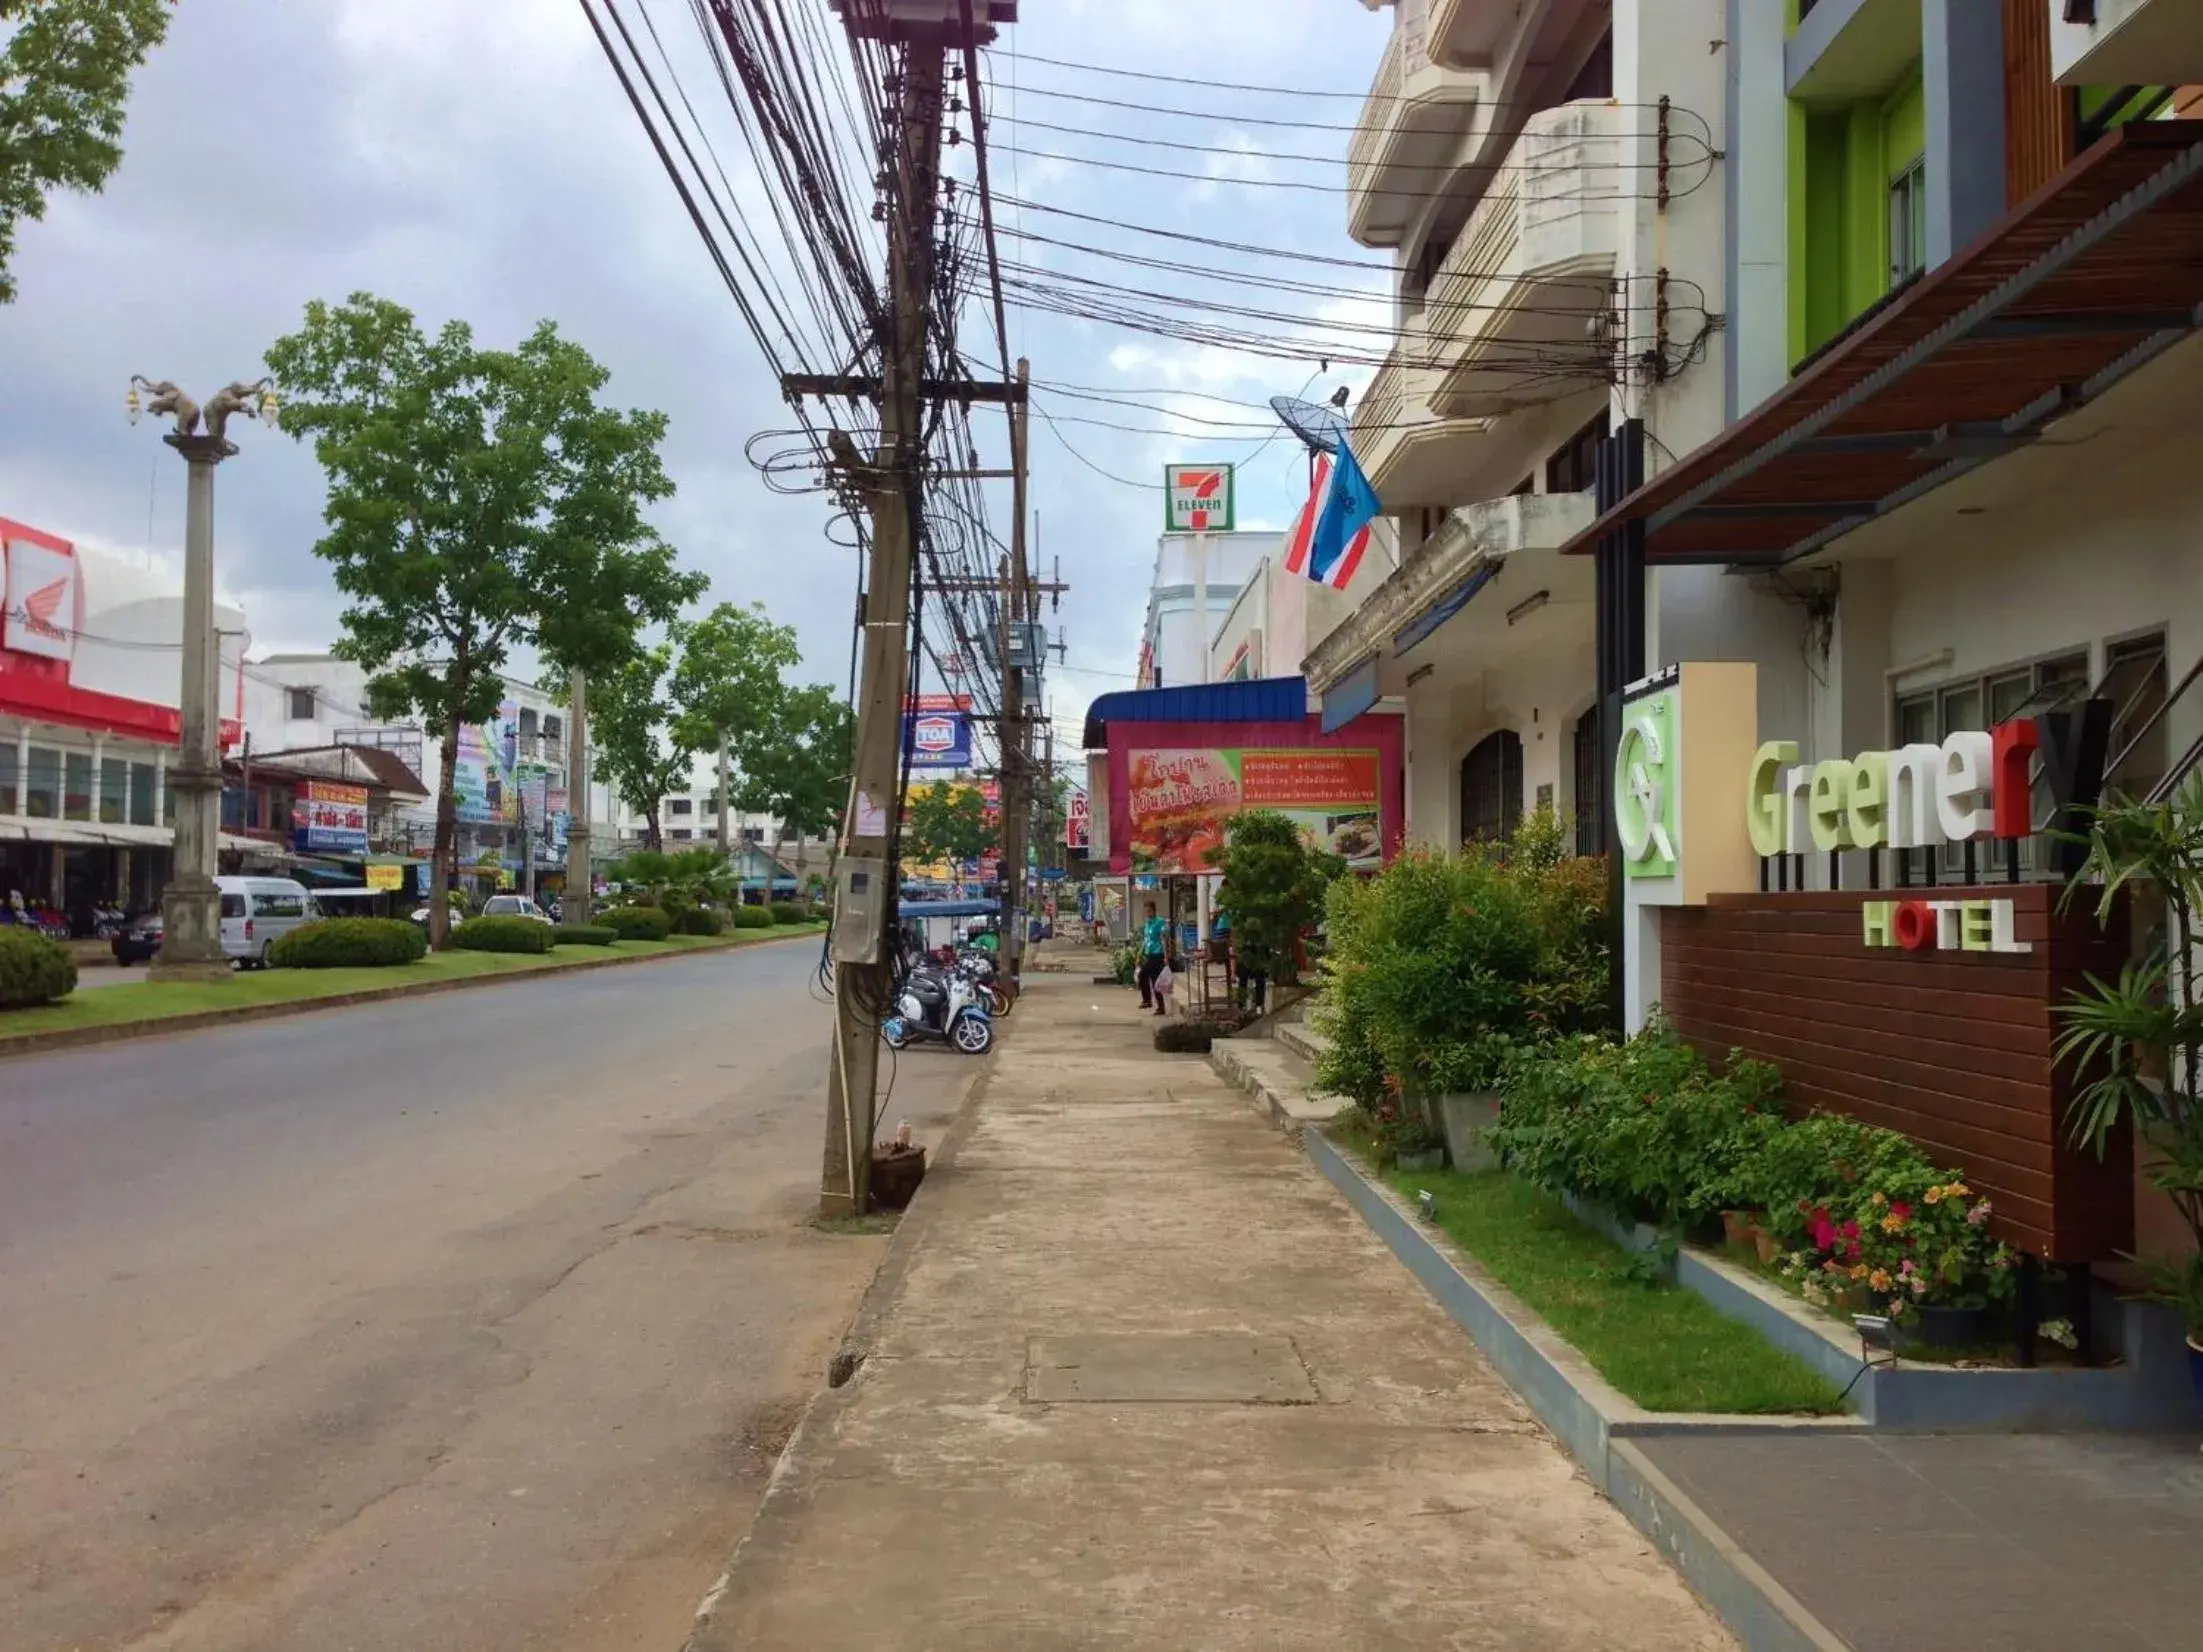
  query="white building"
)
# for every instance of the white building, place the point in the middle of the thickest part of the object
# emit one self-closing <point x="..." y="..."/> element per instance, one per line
<point x="1197" y="579"/>
<point x="91" y="660"/>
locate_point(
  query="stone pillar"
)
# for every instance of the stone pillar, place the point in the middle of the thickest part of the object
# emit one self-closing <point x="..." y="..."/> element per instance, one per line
<point x="191" y="948"/>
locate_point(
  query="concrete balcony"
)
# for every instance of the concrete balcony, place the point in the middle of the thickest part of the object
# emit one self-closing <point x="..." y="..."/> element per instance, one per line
<point x="1471" y="33"/>
<point x="1409" y="453"/>
<point x="1512" y="317"/>
<point x="1413" y="126"/>
<point x="2126" y="42"/>
<point x="1519" y="537"/>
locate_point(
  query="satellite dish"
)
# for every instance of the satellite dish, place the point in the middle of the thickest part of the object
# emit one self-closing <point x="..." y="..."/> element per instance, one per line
<point x="1321" y="427"/>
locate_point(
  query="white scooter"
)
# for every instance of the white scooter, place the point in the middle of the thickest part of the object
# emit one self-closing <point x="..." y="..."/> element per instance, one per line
<point x="939" y="1006"/>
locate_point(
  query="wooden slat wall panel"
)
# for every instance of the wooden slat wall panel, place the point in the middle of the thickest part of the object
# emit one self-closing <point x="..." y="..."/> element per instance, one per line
<point x="2038" y="115"/>
<point x="1951" y="1048"/>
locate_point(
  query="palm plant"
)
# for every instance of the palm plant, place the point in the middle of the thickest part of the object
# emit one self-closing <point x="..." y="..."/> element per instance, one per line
<point x="2140" y="1038"/>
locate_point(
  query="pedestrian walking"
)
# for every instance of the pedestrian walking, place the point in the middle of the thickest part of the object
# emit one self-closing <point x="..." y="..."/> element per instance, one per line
<point x="1154" y="954"/>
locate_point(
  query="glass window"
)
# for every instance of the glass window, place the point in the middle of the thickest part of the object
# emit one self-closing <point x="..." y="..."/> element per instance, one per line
<point x="8" y="778"/>
<point x="76" y="773"/>
<point x="1908" y="223"/>
<point x="1916" y="720"/>
<point x="550" y="728"/>
<point x="42" y="784"/>
<point x="302" y="705"/>
<point x="2007" y="694"/>
<point x="141" y="794"/>
<point x="168" y="797"/>
<point x="233" y="906"/>
<point x="233" y="810"/>
<point x="682" y="806"/>
<point x="114" y="790"/>
<point x="278" y="906"/>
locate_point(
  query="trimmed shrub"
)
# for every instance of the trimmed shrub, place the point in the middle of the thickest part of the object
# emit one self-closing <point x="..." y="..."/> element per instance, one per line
<point x="502" y="935"/>
<point x="351" y="943"/>
<point x="700" y="920"/>
<point x="33" y="970"/>
<point x="584" y="935"/>
<point x="638" y="923"/>
<point x="788" y="912"/>
<point x="752" y="917"/>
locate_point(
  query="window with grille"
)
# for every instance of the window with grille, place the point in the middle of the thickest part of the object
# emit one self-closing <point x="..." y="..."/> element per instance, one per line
<point x="302" y="705"/>
<point x="1491" y="788"/>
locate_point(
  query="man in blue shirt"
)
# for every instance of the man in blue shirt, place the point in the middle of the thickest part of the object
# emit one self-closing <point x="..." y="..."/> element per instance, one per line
<point x="1154" y="949"/>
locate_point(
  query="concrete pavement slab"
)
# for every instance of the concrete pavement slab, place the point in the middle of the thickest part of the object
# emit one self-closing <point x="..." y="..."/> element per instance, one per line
<point x="1104" y="1202"/>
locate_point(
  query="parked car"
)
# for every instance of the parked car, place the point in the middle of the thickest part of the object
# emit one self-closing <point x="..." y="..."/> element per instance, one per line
<point x="139" y="940"/>
<point x="514" y="906"/>
<point x="257" y="912"/>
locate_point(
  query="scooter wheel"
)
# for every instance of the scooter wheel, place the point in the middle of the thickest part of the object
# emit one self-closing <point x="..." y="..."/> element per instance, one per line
<point x="974" y="1035"/>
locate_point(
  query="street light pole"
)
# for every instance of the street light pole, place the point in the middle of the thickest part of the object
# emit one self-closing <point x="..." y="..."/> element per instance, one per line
<point x="191" y="907"/>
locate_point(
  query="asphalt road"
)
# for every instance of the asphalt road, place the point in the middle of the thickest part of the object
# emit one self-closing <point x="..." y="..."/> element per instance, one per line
<point x="467" y="1322"/>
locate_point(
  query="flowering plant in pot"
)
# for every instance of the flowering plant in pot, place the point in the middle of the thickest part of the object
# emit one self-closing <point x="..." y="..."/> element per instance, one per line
<point x="2139" y="1039"/>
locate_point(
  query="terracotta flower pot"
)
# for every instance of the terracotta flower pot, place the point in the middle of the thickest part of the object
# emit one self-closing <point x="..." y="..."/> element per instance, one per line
<point x="1736" y="1228"/>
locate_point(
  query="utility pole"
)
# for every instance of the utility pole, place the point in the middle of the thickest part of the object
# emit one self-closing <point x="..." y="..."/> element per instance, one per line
<point x="1015" y="728"/>
<point x="579" y="873"/>
<point x="863" y="954"/>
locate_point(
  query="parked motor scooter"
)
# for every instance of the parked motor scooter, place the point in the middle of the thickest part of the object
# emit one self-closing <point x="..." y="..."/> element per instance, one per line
<point x="938" y="1006"/>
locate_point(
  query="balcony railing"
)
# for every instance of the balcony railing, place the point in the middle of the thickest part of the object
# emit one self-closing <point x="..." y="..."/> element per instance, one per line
<point x="1512" y="310"/>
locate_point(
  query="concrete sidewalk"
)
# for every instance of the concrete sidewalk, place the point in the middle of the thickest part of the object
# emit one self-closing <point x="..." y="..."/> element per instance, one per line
<point x="1135" y="1376"/>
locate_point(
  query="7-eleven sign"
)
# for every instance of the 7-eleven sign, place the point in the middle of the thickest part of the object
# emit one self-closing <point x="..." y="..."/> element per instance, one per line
<point x="1198" y="498"/>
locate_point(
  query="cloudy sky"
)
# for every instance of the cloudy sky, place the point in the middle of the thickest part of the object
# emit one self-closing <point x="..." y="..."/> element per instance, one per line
<point x="476" y="159"/>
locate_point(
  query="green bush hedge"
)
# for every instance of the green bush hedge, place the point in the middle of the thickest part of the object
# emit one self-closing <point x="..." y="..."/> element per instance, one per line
<point x="584" y="935"/>
<point x="638" y="923"/>
<point x="753" y="917"/>
<point x="788" y="912"/>
<point x="700" y="920"/>
<point x="351" y="943"/>
<point x="33" y="970"/>
<point x="1863" y="1217"/>
<point x="502" y="935"/>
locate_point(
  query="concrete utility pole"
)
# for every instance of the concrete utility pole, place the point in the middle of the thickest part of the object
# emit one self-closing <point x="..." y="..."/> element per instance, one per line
<point x="863" y="951"/>
<point x="579" y="872"/>
<point x="191" y="907"/>
<point x="1016" y="729"/>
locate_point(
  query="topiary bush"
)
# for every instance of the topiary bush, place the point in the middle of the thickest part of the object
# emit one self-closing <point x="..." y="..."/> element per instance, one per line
<point x="700" y="920"/>
<point x="584" y="935"/>
<point x="351" y="943"/>
<point x="788" y="912"/>
<point x="33" y="970"/>
<point x="639" y="923"/>
<point x="752" y="917"/>
<point x="502" y="935"/>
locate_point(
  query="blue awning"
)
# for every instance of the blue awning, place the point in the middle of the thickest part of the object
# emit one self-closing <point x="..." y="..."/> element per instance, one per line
<point x="947" y="909"/>
<point x="1430" y="619"/>
<point x="1350" y="696"/>
<point x="1264" y="700"/>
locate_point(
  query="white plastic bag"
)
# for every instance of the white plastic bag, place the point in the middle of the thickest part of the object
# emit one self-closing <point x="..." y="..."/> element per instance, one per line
<point x="1165" y="980"/>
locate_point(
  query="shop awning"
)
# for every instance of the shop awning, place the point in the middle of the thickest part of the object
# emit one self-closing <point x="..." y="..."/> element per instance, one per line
<point x="2095" y="275"/>
<point x="1264" y="700"/>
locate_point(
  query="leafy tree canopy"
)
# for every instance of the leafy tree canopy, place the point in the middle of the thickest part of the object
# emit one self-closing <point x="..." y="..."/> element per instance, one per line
<point x="947" y="821"/>
<point x="64" y="76"/>
<point x="728" y="684"/>
<point x="798" y="771"/>
<point x="1274" y="887"/>
<point x="639" y="747"/>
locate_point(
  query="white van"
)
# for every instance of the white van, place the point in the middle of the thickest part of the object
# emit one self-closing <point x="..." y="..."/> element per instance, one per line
<point x="257" y="911"/>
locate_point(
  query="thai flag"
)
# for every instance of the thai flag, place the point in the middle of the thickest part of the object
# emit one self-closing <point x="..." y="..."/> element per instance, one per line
<point x="1332" y="530"/>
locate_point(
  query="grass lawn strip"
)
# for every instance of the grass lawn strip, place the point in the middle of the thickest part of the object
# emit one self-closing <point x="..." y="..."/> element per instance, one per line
<point x="145" y="1001"/>
<point x="1663" y="1346"/>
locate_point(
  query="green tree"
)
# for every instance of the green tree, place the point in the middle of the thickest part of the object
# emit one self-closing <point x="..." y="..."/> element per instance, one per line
<point x="798" y="771"/>
<point x="948" y="821"/>
<point x="1274" y="887"/>
<point x="64" y="76"/>
<point x="479" y="501"/>
<point x="637" y="736"/>
<point x="728" y="684"/>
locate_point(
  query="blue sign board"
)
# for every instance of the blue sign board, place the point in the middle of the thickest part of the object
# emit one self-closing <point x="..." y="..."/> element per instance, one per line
<point x="938" y="739"/>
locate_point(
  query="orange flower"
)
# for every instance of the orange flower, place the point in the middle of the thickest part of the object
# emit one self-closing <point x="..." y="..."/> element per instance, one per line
<point x="1878" y="1201"/>
<point x="1934" y="1195"/>
<point x="1879" y="1279"/>
<point x="1859" y="1271"/>
<point x="1893" y="1223"/>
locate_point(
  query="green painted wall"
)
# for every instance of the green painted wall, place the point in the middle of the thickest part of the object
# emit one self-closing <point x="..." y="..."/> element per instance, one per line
<point x="1841" y="164"/>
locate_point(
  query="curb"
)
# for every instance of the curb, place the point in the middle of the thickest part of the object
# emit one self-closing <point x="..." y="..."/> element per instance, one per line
<point x="117" y="1032"/>
<point x="815" y="1428"/>
<point x="1594" y="1421"/>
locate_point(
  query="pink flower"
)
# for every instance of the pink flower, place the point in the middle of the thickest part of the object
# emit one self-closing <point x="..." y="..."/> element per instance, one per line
<point x="1979" y="1214"/>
